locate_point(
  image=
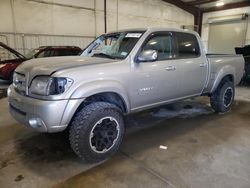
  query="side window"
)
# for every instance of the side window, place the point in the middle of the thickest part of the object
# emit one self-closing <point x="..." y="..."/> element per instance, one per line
<point x="67" y="52"/>
<point x="41" y="54"/>
<point x="48" y="53"/>
<point x="45" y="53"/>
<point x="54" y="53"/>
<point x="187" y="45"/>
<point x="63" y="52"/>
<point x="75" y="52"/>
<point x="162" y="44"/>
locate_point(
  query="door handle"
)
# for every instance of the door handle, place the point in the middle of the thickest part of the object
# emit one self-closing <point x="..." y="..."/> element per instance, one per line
<point x="170" y="68"/>
<point x="203" y="64"/>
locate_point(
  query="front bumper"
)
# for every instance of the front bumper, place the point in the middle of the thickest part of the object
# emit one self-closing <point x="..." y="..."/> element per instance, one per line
<point x="42" y="115"/>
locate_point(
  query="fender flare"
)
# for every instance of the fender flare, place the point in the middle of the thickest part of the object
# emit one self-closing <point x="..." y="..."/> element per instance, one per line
<point x="225" y="71"/>
<point x="102" y="86"/>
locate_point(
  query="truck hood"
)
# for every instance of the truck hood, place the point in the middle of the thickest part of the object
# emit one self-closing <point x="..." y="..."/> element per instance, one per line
<point x="47" y="66"/>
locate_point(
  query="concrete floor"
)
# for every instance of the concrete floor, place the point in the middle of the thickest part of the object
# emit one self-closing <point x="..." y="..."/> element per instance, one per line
<point x="203" y="150"/>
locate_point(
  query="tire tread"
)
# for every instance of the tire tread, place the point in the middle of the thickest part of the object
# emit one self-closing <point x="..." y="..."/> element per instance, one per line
<point x="80" y="125"/>
<point x="216" y="97"/>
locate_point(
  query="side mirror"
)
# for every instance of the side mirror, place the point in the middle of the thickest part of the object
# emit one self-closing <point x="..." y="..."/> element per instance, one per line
<point x="148" y="55"/>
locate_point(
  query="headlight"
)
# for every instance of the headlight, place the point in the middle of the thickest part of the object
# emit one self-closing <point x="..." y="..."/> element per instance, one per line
<point x="46" y="85"/>
<point x="19" y="82"/>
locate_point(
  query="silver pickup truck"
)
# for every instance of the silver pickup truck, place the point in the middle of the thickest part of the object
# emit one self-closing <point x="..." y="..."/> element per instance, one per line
<point x="117" y="74"/>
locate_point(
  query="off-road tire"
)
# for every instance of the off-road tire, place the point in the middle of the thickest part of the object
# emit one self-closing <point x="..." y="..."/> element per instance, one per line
<point x="83" y="124"/>
<point x="217" y="98"/>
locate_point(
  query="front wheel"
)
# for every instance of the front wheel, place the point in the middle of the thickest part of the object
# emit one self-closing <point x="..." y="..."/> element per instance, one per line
<point x="223" y="97"/>
<point x="97" y="131"/>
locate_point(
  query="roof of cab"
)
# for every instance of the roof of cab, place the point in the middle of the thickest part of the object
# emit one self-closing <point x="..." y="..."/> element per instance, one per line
<point x="155" y="29"/>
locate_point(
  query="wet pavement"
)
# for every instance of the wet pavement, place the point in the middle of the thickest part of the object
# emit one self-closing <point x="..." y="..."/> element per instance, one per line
<point x="3" y="88"/>
<point x="200" y="149"/>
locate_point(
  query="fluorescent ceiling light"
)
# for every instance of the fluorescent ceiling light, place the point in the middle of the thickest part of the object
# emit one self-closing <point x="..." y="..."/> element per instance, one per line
<point x="219" y="4"/>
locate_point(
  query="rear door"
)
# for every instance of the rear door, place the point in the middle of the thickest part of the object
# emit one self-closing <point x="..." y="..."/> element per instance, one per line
<point x="191" y="66"/>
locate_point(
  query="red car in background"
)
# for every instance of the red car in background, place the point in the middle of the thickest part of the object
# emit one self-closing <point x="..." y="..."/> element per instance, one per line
<point x="10" y="58"/>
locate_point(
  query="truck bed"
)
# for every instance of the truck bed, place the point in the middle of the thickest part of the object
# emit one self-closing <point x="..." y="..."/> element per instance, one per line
<point x="220" y="63"/>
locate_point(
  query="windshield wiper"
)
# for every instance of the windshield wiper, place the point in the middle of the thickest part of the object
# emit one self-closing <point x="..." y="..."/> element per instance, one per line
<point x="103" y="55"/>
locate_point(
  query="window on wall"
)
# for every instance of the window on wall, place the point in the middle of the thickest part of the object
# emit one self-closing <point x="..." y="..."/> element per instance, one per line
<point x="162" y="44"/>
<point x="187" y="45"/>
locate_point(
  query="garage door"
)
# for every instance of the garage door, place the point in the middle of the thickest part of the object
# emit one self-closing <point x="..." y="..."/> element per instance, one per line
<point x="225" y="36"/>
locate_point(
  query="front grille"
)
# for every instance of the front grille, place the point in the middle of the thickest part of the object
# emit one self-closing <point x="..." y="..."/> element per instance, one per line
<point x="19" y="82"/>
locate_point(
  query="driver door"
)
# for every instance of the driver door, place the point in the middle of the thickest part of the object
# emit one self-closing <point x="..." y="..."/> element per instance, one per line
<point x="154" y="82"/>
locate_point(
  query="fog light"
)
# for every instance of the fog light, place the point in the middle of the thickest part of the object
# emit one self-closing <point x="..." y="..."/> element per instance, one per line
<point x="35" y="122"/>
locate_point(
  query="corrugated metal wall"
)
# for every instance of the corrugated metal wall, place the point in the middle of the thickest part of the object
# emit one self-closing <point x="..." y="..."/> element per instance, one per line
<point x="26" y="42"/>
<point x="28" y="24"/>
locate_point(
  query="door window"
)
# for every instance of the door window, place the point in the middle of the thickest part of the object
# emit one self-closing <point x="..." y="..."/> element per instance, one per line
<point x="187" y="45"/>
<point x="162" y="44"/>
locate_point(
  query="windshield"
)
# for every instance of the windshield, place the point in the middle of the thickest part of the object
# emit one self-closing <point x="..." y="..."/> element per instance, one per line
<point x="114" y="45"/>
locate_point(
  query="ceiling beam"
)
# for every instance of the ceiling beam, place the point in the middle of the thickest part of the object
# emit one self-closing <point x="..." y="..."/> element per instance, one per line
<point x="185" y="6"/>
<point x="201" y="2"/>
<point x="227" y="6"/>
<point x="196" y="12"/>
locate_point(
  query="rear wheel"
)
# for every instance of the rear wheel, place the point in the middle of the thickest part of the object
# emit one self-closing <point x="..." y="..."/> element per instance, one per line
<point x="223" y="97"/>
<point x="97" y="131"/>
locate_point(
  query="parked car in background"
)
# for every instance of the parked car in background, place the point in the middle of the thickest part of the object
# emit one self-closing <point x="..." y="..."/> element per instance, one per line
<point x="52" y="51"/>
<point x="10" y="58"/>
<point x="245" y="51"/>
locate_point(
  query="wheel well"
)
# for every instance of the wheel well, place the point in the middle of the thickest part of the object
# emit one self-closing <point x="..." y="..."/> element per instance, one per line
<point x="228" y="77"/>
<point x="110" y="97"/>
